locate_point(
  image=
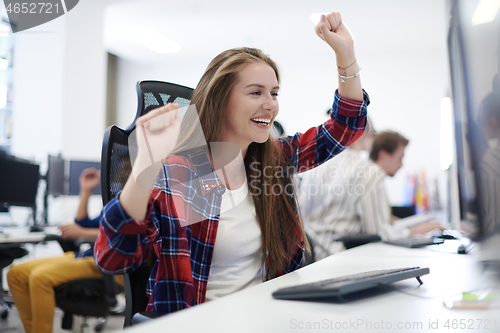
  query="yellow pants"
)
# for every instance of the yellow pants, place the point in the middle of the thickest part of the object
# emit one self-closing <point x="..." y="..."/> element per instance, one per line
<point x="32" y="287"/>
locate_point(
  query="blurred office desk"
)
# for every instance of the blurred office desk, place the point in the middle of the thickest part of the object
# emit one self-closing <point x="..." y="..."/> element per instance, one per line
<point x="21" y="235"/>
<point x="22" y="238"/>
<point x="406" y="307"/>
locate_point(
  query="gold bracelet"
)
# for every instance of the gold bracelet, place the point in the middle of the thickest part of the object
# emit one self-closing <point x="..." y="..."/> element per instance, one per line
<point x="344" y="77"/>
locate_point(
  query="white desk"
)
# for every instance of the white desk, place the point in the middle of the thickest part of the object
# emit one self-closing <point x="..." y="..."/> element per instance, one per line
<point x="254" y="310"/>
<point x="22" y="235"/>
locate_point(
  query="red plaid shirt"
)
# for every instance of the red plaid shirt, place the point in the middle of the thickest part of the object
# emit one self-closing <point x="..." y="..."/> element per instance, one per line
<point x="187" y="191"/>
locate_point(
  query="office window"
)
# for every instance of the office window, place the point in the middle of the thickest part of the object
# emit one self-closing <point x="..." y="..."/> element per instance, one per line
<point x="6" y="87"/>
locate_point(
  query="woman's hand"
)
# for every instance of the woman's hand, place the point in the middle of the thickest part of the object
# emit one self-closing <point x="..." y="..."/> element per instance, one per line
<point x="156" y="135"/>
<point x="157" y="132"/>
<point x="333" y="31"/>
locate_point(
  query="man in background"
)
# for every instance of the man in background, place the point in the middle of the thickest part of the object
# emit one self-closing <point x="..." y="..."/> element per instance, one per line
<point x="346" y="196"/>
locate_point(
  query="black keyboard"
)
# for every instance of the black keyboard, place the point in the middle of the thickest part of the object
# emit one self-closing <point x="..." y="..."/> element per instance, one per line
<point x="343" y="285"/>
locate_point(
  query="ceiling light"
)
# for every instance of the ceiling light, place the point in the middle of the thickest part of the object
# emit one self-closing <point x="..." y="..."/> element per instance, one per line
<point x="152" y="39"/>
<point x="486" y="11"/>
<point x="4" y="30"/>
<point x="4" y="63"/>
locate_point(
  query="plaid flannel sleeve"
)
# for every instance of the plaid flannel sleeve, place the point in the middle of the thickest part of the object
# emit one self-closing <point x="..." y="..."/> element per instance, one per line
<point x="318" y="144"/>
<point x="124" y="243"/>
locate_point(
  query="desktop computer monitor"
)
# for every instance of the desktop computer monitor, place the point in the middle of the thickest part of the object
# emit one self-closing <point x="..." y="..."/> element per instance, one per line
<point x="55" y="176"/>
<point x="474" y="49"/>
<point x="19" y="182"/>
<point x="463" y="117"/>
<point x="75" y="170"/>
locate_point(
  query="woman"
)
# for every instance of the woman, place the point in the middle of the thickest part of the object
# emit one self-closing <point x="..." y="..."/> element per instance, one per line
<point x="246" y="202"/>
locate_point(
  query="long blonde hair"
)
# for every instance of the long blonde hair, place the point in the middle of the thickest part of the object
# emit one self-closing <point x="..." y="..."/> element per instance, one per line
<point x="276" y="214"/>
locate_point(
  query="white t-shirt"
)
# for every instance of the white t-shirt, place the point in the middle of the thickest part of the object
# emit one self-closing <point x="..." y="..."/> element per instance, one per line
<point x="237" y="257"/>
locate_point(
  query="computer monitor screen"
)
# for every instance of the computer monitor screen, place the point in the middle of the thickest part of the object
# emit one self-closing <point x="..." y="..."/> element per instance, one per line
<point x="55" y="176"/>
<point x="19" y="182"/>
<point x="474" y="45"/>
<point x="75" y="170"/>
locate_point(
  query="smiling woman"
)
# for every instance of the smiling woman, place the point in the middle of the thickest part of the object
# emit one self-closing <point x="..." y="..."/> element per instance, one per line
<point x="212" y="234"/>
<point x="252" y="106"/>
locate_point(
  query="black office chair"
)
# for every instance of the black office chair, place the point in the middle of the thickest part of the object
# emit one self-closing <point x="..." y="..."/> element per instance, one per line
<point x="136" y="298"/>
<point x="87" y="297"/>
<point x="8" y="253"/>
<point x="403" y="211"/>
<point x="116" y="168"/>
<point x="349" y="242"/>
<point x="357" y="240"/>
<point x="83" y="297"/>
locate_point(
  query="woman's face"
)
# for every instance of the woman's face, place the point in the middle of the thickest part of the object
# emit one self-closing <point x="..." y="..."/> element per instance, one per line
<point x="252" y="106"/>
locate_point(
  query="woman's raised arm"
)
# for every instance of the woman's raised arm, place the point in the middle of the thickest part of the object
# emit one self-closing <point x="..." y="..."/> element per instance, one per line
<point x="335" y="33"/>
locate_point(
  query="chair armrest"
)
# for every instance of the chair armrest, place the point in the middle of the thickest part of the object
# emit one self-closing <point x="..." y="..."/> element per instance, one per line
<point x="66" y="244"/>
<point x="111" y="288"/>
<point x="357" y="240"/>
<point x="143" y="316"/>
<point x="70" y="244"/>
<point x="52" y="237"/>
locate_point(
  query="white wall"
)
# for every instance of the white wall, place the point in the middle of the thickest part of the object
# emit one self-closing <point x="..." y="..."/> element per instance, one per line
<point x="59" y="97"/>
<point x="60" y="79"/>
<point x="39" y="91"/>
<point x="85" y="81"/>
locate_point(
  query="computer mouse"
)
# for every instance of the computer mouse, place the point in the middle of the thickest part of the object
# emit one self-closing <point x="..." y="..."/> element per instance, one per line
<point x="462" y="249"/>
<point x="445" y="236"/>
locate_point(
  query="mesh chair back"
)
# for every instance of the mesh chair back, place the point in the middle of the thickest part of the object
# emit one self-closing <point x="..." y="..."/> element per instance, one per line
<point x="116" y="168"/>
<point x="153" y="94"/>
<point x="115" y="158"/>
<point x="115" y="162"/>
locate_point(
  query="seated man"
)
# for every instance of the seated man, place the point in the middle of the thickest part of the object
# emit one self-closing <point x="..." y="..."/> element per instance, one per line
<point x="346" y="195"/>
<point x="32" y="283"/>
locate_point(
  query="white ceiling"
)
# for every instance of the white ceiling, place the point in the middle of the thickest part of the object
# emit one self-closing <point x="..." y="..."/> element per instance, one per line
<point x="205" y="28"/>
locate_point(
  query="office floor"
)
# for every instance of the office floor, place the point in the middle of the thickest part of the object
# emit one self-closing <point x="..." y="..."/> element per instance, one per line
<point x="13" y="323"/>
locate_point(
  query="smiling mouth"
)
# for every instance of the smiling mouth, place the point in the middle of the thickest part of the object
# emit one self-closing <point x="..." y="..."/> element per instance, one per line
<point x="262" y="121"/>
